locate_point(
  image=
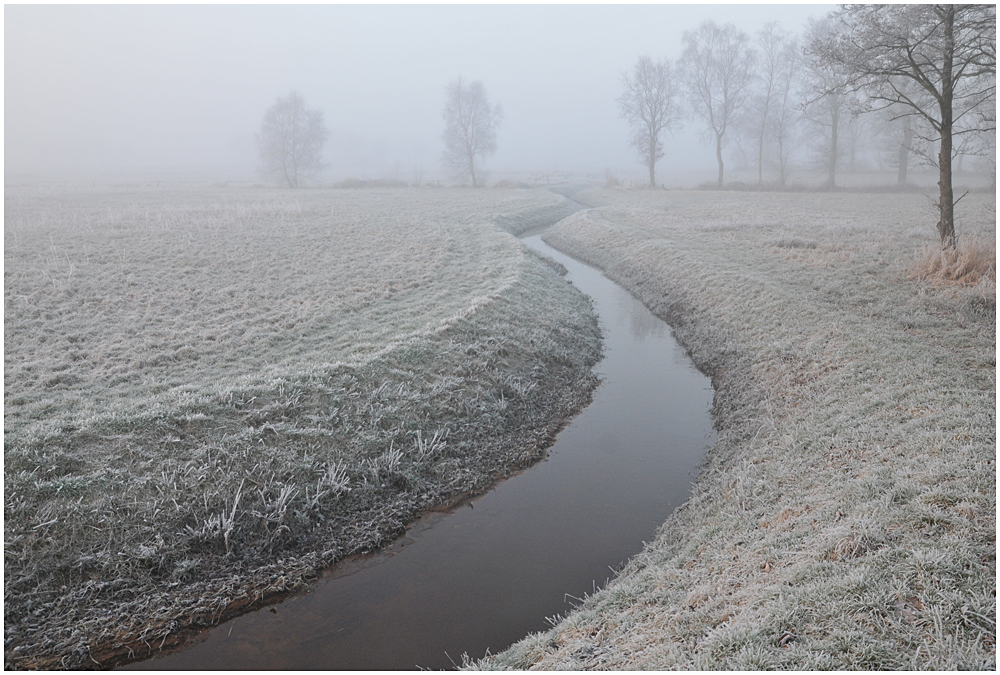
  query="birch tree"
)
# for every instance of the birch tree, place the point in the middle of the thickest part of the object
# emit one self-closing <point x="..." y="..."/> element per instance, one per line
<point x="771" y="45"/>
<point x="785" y="116"/>
<point x="718" y="66"/>
<point x="825" y="104"/>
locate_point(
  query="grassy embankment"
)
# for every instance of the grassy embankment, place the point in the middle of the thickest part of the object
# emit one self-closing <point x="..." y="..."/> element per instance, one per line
<point x="846" y="518"/>
<point x="211" y="394"/>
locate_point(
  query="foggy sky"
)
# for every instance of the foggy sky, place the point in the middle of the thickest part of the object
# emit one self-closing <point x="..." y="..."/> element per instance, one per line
<point x="98" y="89"/>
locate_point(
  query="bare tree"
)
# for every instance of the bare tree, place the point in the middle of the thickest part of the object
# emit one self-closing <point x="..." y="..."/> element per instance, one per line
<point x="785" y="118"/>
<point x="933" y="62"/>
<point x="903" y="156"/>
<point x="650" y="104"/>
<point x="771" y="43"/>
<point x="857" y="134"/>
<point x="470" y="127"/>
<point x="826" y="102"/>
<point x="718" y="65"/>
<point x="291" y="140"/>
<point x="897" y="143"/>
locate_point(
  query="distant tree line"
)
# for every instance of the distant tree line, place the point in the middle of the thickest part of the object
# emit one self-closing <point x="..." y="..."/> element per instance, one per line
<point x="920" y="78"/>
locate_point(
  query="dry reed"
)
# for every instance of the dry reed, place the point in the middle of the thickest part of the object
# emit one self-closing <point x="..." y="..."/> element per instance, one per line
<point x="970" y="263"/>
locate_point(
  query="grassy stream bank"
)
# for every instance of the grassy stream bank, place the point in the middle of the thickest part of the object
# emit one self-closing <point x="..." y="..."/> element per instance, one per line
<point x="212" y="394"/>
<point x="846" y="516"/>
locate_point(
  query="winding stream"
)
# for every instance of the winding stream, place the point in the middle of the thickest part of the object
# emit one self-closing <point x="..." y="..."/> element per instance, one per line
<point x="485" y="575"/>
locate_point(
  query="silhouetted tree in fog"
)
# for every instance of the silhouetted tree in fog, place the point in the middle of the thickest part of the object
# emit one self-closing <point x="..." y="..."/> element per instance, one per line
<point x="897" y="145"/>
<point x="291" y="140"/>
<point x="771" y="42"/>
<point x="857" y="135"/>
<point x="785" y="116"/>
<point x="826" y="96"/>
<point x="470" y="127"/>
<point x="934" y="62"/>
<point x="903" y="154"/>
<point x="650" y="105"/>
<point x="718" y="66"/>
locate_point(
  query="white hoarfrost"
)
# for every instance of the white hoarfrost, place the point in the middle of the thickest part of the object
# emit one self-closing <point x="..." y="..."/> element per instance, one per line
<point x="212" y="393"/>
<point x="846" y="518"/>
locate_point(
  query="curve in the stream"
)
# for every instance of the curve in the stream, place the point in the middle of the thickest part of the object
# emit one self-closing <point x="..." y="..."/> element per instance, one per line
<point x="487" y="574"/>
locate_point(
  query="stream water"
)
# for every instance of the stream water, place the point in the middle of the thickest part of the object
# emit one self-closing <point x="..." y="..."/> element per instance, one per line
<point x="488" y="573"/>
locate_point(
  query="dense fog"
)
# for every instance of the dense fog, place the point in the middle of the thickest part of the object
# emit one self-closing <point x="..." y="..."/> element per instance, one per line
<point x="165" y="91"/>
<point x="117" y="89"/>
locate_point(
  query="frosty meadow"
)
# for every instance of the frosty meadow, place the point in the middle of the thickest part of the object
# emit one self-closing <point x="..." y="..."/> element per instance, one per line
<point x="266" y="306"/>
<point x="184" y="439"/>
<point x="846" y="517"/>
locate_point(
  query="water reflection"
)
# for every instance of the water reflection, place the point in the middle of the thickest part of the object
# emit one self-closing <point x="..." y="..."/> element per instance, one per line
<point x="641" y="324"/>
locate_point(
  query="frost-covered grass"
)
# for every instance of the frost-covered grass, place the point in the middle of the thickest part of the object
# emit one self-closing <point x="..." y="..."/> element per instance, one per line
<point x="846" y="518"/>
<point x="211" y="394"/>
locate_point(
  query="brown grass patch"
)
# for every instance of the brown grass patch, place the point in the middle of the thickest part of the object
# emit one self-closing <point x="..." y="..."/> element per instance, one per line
<point x="971" y="263"/>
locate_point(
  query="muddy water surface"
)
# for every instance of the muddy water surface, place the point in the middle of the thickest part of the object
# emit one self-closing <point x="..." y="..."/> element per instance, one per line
<point x="487" y="574"/>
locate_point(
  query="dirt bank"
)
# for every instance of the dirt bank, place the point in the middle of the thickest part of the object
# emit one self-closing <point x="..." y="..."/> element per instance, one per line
<point x="846" y="516"/>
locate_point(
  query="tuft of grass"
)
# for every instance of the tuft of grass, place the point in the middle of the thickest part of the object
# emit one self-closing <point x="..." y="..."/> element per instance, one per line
<point x="970" y="269"/>
<point x="972" y="262"/>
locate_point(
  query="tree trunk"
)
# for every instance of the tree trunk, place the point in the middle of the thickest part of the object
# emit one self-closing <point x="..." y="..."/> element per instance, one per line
<point x="718" y="156"/>
<point x="904" y="152"/>
<point x="831" y="181"/>
<point x="760" y="153"/>
<point x="652" y="158"/>
<point x="946" y="202"/>
<point x="472" y="171"/>
<point x="295" y="166"/>
<point x="781" y="160"/>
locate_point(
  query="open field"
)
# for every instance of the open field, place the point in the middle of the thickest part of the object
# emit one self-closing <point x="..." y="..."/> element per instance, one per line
<point x="212" y="393"/>
<point x="846" y="517"/>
